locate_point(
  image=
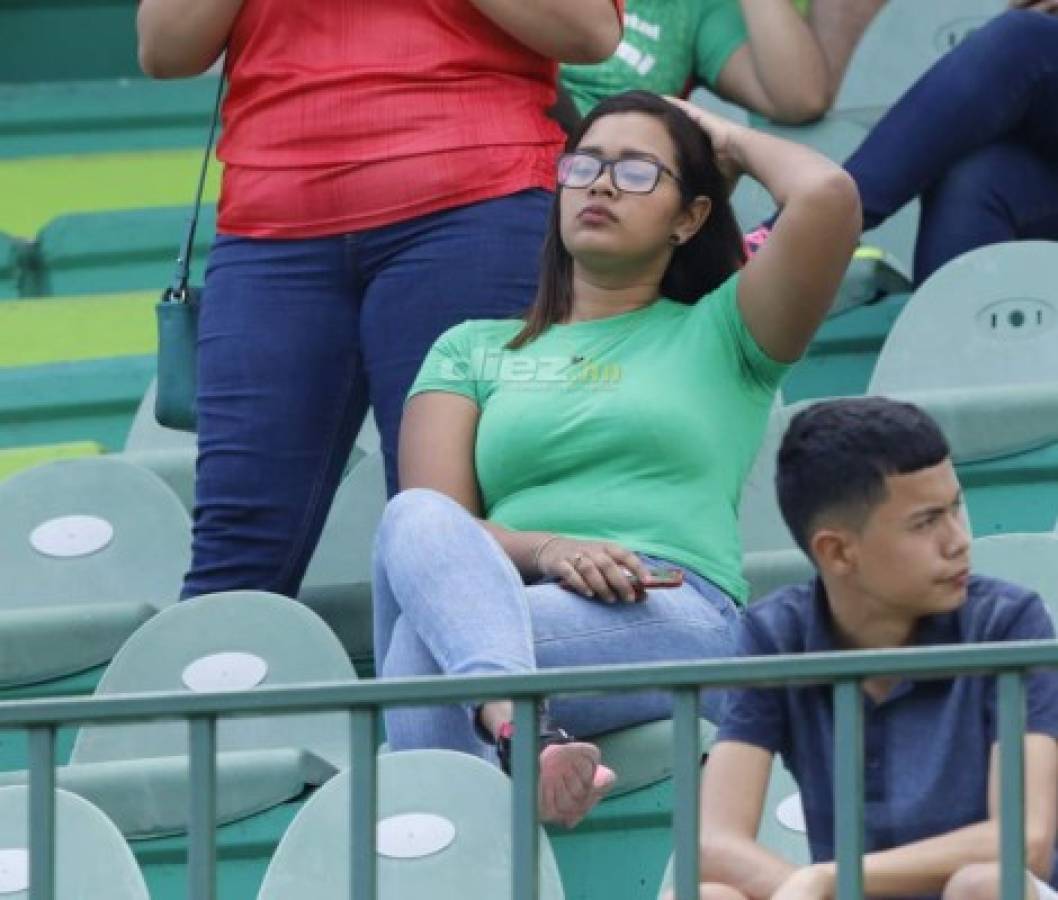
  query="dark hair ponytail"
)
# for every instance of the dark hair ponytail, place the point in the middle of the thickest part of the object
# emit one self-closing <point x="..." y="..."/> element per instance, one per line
<point x="697" y="267"/>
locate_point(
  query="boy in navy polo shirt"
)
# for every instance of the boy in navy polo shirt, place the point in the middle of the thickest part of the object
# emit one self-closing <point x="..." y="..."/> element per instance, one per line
<point x="867" y="488"/>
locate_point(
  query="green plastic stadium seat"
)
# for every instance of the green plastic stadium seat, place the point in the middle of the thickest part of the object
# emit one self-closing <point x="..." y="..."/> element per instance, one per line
<point x="642" y="755"/>
<point x="92" y="860"/>
<point x="172" y="454"/>
<point x="86" y="400"/>
<point x="15" y="459"/>
<point x="169" y="453"/>
<point x="988" y="318"/>
<point x="443" y="832"/>
<point x="90" y="548"/>
<point x="977" y="346"/>
<point x="232" y="641"/>
<point x="902" y="42"/>
<point x="770" y="557"/>
<point x="337" y="584"/>
<point x="146" y="434"/>
<point x="97" y="115"/>
<point x="11" y="251"/>
<point x="782" y="828"/>
<point x="1030" y="560"/>
<point x="122" y="250"/>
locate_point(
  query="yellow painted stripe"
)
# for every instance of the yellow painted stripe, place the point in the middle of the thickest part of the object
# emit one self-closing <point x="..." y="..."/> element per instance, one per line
<point x="16" y="459"/>
<point x="71" y="329"/>
<point x="37" y="189"/>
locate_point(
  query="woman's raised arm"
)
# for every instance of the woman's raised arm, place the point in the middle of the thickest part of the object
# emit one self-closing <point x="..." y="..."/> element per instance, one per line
<point x="180" y="38"/>
<point x="786" y="289"/>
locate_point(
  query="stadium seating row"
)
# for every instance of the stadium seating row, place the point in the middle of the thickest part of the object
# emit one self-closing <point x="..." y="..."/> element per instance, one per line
<point x="137" y="774"/>
<point x="986" y="375"/>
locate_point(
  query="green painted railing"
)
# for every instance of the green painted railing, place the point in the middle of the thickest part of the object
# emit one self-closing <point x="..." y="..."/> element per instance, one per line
<point x="845" y="670"/>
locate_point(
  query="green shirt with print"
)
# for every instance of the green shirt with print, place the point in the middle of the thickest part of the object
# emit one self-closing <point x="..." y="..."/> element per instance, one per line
<point x="666" y="44"/>
<point x="638" y="429"/>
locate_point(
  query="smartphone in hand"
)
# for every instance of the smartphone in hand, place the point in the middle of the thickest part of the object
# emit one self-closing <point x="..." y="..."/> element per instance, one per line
<point x="664" y="578"/>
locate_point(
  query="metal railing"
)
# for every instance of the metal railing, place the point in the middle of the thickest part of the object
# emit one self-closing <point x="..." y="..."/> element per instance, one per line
<point x="846" y="670"/>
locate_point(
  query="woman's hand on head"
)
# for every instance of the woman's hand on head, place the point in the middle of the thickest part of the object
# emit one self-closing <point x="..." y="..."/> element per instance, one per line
<point x="723" y="133"/>
<point x="595" y="569"/>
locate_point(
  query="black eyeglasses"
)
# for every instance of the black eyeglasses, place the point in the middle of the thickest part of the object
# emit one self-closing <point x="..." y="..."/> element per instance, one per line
<point x="633" y="175"/>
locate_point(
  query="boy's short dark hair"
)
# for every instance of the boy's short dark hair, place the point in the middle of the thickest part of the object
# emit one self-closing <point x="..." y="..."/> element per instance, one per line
<point x="836" y="456"/>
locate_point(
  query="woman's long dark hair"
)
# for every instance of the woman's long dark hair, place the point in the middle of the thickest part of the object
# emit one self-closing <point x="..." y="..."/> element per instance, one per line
<point x="697" y="267"/>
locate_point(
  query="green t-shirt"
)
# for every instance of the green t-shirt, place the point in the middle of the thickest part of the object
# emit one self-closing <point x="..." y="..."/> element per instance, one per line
<point x="638" y="429"/>
<point x="666" y="44"/>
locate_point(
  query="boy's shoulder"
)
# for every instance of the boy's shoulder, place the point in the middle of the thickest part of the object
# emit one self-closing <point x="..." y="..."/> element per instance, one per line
<point x="997" y="610"/>
<point x="796" y="618"/>
<point x="784" y="620"/>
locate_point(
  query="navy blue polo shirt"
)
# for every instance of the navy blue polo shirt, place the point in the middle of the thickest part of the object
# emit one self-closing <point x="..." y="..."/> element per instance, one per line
<point x="926" y="745"/>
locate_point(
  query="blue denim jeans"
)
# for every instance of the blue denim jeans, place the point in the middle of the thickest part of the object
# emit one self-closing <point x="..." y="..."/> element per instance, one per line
<point x="298" y="337"/>
<point x="976" y="138"/>
<point x="448" y="600"/>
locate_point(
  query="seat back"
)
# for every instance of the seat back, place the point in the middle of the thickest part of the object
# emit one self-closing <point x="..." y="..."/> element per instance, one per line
<point x="986" y="319"/>
<point x="121" y="250"/>
<point x="337" y="584"/>
<point x="760" y="521"/>
<point x="443" y="833"/>
<point x="902" y="42"/>
<point x="92" y="859"/>
<point x="146" y="434"/>
<point x="10" y="256"/>
<point x="1029" y="560"/>
<point x="231" y="641"/>
<point x="90" y="530"/>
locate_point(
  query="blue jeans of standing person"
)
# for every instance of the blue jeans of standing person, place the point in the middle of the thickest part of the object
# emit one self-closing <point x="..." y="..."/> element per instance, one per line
<point x="298" y="337"/>
<point x="448" y="600"/>
<point x="977" y="139"/>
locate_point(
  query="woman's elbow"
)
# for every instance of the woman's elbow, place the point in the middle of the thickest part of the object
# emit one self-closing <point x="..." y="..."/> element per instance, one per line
<point x="596" y="43"/>
<point x="157" y="62"/>
<point x="808" y="104"/>
<point x="153" y="64"/>
<point x="837" y="191"/>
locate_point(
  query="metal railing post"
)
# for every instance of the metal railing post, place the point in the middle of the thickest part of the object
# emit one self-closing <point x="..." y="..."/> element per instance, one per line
<point x="848" y="787"/>
<point x="201" y="851"/>
<point x="363" y="806"/>
<point x="685" y="770"/>
<point x="42" y="813"/>
<point x="1011" y="713"/>
<point x="525" y="871"/>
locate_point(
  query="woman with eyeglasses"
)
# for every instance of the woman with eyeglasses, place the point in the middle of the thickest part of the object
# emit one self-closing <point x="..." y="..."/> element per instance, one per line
<point x="571" y="480"/>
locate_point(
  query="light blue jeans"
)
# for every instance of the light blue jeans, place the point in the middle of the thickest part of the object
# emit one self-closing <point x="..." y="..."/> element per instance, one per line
<point x="448" y="600"/>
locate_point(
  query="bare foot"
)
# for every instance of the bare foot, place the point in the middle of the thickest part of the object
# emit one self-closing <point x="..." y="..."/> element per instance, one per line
<point x="572" y="781"/>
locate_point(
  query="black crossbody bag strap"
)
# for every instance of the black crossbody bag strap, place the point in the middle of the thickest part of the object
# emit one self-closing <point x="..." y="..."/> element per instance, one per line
<point x="178" y="288"/>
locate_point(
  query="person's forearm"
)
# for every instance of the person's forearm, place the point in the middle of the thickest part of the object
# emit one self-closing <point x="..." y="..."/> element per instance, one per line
<point x="582" y="31"/>
<point x="838" y="25"/>
<point x="788" y="59"/>
<point x="179" y="38"/>
<point x="925" y="867"/>
<point x="523" y="547"/>
<point x="743" y="864"/>
<point x="788" y="171"/>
